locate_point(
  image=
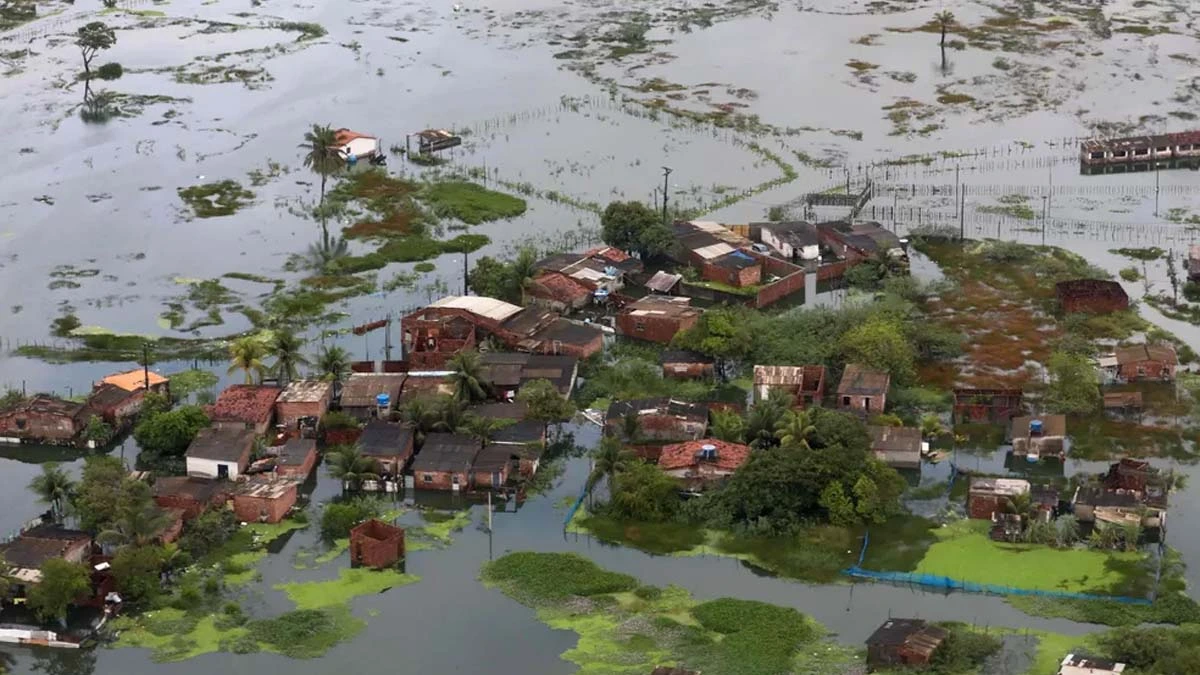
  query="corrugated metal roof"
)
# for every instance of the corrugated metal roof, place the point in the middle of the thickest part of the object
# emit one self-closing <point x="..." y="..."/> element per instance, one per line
<point x="713" y="250"/>
<point x="490" y="308"/>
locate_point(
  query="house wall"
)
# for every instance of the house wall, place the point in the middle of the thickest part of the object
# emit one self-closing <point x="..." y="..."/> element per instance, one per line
<point x="981" y="505"/>
<point x="653" y="328"/>
<point x="440" y="480"/>
<point x="1146" y="370"/>
<point x="687" y="370"/>
<point x="303" y="470"/>
<point x="483" y="479"/>
<point x="872" y="404"/>
<point x="126" y="410"/>
<point x="190" y="507"/>
<point x="833" y="270"/>
<point x="1095" y="304"/>
<point x="208" y="468"/>
<point x="528" y="467"/>
<point x="52" y="428"/>
<point x="778" y="290"/>
<point x="769" y="238"/>
<point x="579" y="351"/>
<point x="260" y="428"/>
<point x="288" y="413"/>
<point x="252" y="509"/>
<point x="378" y="553"/>
<point x="899" y="460"/>
<point x="882" y="655"/>
<point x="747" y="276"/>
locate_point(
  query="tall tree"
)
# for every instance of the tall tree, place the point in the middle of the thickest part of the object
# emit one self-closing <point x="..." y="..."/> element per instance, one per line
<point x="944" y="19"/>
<point x="881" y="344"/>
<point x="98" y="491"/>
<point x="635" y="227"/>
<point x="246" y="354"/>
<point x="1173" y="277"/>
<point x="321" y="155"/>
<point x="169" y="434"/>
<point x="138" y="519"/>
<point x="333" y="363"/>
<point x="54" y="487"/>
<point x="543" y="402"/>
<point x="467" y="376"/>
<point x="91" y="39"/>
<point x="721" y="333"/>
<point x="350" y="466"/>
<point x="62" y="584"/>
<point x="285" y="346"/>
<point x="1074" y="386"/>
<point x="727" y="426"/>
<point x="452" y="416"/>
<point x="608" y="460"/>
<point x="795" y="428"/>
<point x="422" y="414"/>
<point x="763" y="419"/>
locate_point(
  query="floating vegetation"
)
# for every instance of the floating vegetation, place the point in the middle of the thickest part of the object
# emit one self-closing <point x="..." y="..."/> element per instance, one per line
<point x="213" y="200"/>
<point x="471" y="203"/>
<point x="350" y="584"/>
<point x="1013" y="206"/>
<point x="307" y="30"/>
<point x="1149" y="254"/>
<point x="260" y="177"/>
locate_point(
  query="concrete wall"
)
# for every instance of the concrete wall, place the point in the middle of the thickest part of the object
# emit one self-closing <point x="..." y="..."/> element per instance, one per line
<point x="253" y="509"/>
<point x="209" y="468"/>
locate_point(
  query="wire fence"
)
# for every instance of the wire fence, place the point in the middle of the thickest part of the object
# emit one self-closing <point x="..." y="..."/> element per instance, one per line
<point x="575" y="507"/>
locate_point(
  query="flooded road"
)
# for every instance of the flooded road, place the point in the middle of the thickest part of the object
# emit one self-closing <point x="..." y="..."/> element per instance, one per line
<point x="90" y="218"/>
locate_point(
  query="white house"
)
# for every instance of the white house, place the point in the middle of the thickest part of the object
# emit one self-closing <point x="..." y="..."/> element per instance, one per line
<point x="353" y="144"/>
<point x="220" y="453"/>
<point x="1077" y="664"/>
<point x="794" y="241"/>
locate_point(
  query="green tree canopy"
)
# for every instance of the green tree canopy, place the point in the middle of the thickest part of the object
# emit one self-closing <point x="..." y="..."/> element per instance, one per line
<point x="881" y="344"/>
<point x="543" y="402"/>
<point x="53" y="487"/>
<point x="169" y="434"/>
<point x="636" y="228"/>
<point x="1074" y="385"/>
<point x="137" y="570"/>
<point x="98" y="492"/>
<point x="62" y="584"/>
<point x="721" y="333"/>
<point x="644" y="493"/>
<point x="91" y="39"/>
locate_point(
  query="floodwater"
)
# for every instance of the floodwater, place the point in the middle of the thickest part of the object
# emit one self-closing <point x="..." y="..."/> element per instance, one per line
<point x="103" y="197"/>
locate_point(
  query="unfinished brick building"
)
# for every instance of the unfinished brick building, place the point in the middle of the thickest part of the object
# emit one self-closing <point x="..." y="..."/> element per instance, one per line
<point x="986" y="405"/>
<point x="376" y="544"/>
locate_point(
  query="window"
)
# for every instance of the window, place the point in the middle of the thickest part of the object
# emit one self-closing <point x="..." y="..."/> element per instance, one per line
<point x="1141" y="151"/>
<point x="639" y="325"/>
<point x="1119" y="153"/>
<point x="428" y="477"/>
<point x="454" y="479"/>
<point x="1162" y="149"/>
<point x="1097" y="155"/>
<point x="1141" y="371"/>
<point x="845" y="400"/>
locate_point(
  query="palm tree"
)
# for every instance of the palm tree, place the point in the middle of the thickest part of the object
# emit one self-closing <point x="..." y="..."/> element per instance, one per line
<point x="246" y="354"/>
<point x="285" y="346"/>
<point x="326" y="252"/>
<point x="452" y="416"/>
<point x="138" y="519"/>
<point x="351" y="467"/>
<point x="944" y="19"/>
<point x="931" y="427"/>
<point x="333" y="363"/>
<point x="762" y="421"/>
<point x="610" y="459"/>
<point x="631" y="426"/>
<point x="467" y="376"/>
<point x="728" y="426"/>
<point x="795" y="428"/>
<point x="1068" y="530"/>
<point x="522" y="269"/>
<point x="422" y="414"/>
<point x="321" y="156"/>
<point x="484" y="428"/>
<point x="53" y="487"/>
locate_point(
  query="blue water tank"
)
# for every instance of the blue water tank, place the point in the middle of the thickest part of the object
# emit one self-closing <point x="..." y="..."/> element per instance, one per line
<point x="383" y="400"/>
<point x="1035" y="427"/>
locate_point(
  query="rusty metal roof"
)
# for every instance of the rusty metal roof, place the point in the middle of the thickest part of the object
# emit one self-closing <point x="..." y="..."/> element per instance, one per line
<point x="1161" y="352"/>
<point x="858" y="380"/>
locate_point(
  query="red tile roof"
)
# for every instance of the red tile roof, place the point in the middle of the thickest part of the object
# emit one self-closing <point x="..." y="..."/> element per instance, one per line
<point x="344" y="136"/>
<point x="608" y="253"/>
<point x="560" y="287"/>
<point x="682" y="455"/>
<point x="249" y="403"/>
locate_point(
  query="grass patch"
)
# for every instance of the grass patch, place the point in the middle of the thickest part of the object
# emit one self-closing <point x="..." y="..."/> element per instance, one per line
<point x="471" y="203"/>
<point x="950" y="98"/>
<point x="437" y="530"/>
<point x="1149" y="254"/>
<point x="860" y="66"/>
<point x="1013" y="206"/>
<point x="657" y="538"/>
<point x="541" y="578"/>
<point x="307" y="30"/>
<point x="213" y="200"/>
<point x="1130" y="274"/>
<point x="305" y="633"/>
<point x="964" y="551"/>
<point x="350" y="584"/>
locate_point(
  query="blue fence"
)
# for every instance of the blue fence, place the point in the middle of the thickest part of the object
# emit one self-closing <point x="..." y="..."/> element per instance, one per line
<point x="575" y="507"/>
<point x="937" y="582"/>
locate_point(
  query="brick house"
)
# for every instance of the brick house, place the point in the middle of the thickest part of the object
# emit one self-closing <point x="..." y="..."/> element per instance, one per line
<point x="988" y="496"/>
<point x="657" y="318"/>
<point x="681" y="364"/>
<point x="246" y="406"/>
<point x="599" y="269"/>
<point x="189" y="494"/>
<point x="699" y="464"/>
<point x="361" y="394"/>
<point x="862" y="389"/>
<point x="29" y="550"/>
<point x="794" y="240"/>
<point x="376" y="544"/>
<point x="116" y="406"/>
<point x="661" y="421"/>
<point x="264" y="499"/>
<point x="805" y="384"/>
<point x="507" y="372"/>
<point x="556" y="292"/>
<point x="390" y="445"/>
<point x="220" y="452"/>
<point x="1146" y="362"/>
<point x="296" y="458"/>
<point x="444" y="462"/>
<point x="492" y="466"/>
<point x="457" y="323"/>
<point x="302" y="404"/>
<point x="986" y="405"/>
<point x="43" y="419"/>
<point x="137" y="381"/>
<point x="904" y="642"/>
<point x="858" y="241"/>
<point x="1094" y="296"/>
<point x="898" y="447"/>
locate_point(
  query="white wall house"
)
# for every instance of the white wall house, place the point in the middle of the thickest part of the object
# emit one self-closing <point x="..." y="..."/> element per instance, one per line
<point x="220" y="453"/>
<point x="783" y="238"/>
<point x="353" y="144"/>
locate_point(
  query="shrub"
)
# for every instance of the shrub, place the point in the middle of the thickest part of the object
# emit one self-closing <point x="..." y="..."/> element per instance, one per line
<point x="110" y="71"/>
<point x="338" y="420"/>
<point x="305" y="633"/>
<point x="1130" y="274"/>
<point x="648" y="592"/>
<point x="543" y="577"/>
<point x="339" y="518"/>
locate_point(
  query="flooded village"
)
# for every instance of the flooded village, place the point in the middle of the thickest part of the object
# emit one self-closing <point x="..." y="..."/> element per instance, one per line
<point x="671" y="338"/>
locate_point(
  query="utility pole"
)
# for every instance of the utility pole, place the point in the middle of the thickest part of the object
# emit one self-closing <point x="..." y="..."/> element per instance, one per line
<point x="146" y="366"/>
<point x="466" y="285"/>
<point x="1044" y="202"/>
<point x="666" y="189"/>
<point x="387" y="338"/>
<point x="962" y="213"/>
<point x="1156" y="189"/>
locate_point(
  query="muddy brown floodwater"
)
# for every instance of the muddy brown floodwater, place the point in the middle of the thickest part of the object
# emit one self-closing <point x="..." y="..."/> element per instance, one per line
<point x="753" y="104"/>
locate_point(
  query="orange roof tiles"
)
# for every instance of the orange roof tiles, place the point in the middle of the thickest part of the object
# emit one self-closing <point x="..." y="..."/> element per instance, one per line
<point x="134" y="379"/>
<point x="729" y="456"/>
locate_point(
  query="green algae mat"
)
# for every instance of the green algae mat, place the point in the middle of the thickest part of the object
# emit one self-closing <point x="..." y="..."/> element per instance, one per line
<point x="625" y="627"/>
<point x="964" y="551"/>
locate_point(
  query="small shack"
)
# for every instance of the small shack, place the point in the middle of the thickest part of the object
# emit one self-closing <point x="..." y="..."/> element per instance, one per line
<point x="139" y="380"/>
<point x="988" y="496"/>
<point x="682" y="364"/>
<point x="189" y="494"/>
<point x="302" y="404"/>
<point x="1123" y="404"/>
<point x="1041" y="437"/>
<point x="367" y="395"/>
<point x="296" y="458"/>
<point x="264" y="499"/>
<point x="433" y="140"/>
<point x="863" y="389"/>
<point x="659" y="421"/>
<point x="986" y="405"/>
<point x="1094" y="296"/>
<point x="657" y="318"/>
<point x="805" y="384"/>
<point x="376" y="544"/>
<point x="444" y="462"/>
<point x="44" y="419"/>
<point x="492" y="466"/>
<point x="220" y="453"/>
<point x="390" y="445"/>
<point x="898" y="447"/>
<point x="1078" y="664"/>
<point x="114" y="405"/>
<point x="904" y="642"/>
<point x="1142" y="362"/>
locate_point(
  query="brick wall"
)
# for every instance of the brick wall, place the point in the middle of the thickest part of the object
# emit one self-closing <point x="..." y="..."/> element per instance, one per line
<point x="439" y="480"/>
<point x="687" y="370"/>
<point x="483" y="479"/>
<point x="652" y="329"/>
<point x="288" y="413"/>
<point x="299" y="471"/>
<point x="984" y="505"/>
<point x="1146" y="370"/>
<point x="860" y="403"/>
<point x="250" y="509"/>
<point x="376" y="544"/>
<point x="774" y="292"/>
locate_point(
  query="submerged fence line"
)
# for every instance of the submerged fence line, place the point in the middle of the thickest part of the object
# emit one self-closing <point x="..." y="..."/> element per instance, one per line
<point x="575" y="507"/>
